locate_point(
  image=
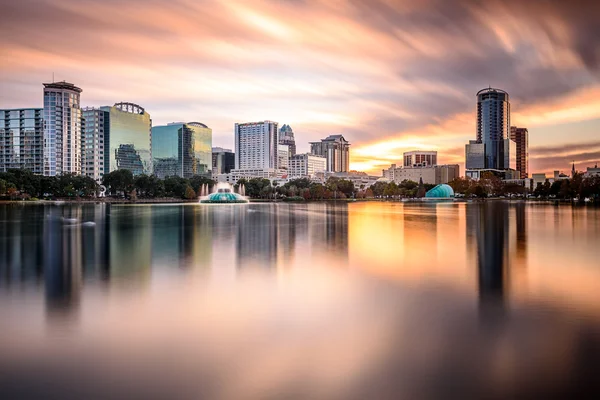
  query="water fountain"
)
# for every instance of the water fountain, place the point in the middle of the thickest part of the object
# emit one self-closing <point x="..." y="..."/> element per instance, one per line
<point x="222" y="194"/>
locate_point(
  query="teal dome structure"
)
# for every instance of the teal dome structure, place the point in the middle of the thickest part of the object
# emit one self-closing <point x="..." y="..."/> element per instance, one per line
<point x="440" y="192"/>
<point x="224" y="196"/>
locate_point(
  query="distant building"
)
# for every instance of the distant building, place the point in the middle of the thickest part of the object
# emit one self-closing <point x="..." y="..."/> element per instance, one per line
<point x="182" y="149"/>
<point x="130" y="142"/>
<point x="22" y="139"/>
<point x="521" y="137"/>
<point x="283" y="156"/>
<point x="336" y="150"/>
<point x="286" y="137"/>
<point x="420" y="158"/>
<point x="96" y="135"/>
<point x="474" y="155"/>
<point x="62" y="129"/>
<point x="223" y="160"/>
<point x="434" y="175"/>
<point x="306" y="165"/>
<point x="256" y="146"/>
<point x="504" y="174"/>
<point x="592" y="172"/>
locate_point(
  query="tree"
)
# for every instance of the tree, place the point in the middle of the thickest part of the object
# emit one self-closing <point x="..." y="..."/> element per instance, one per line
<point x="189" y="193"/>
<point x="3" y="186"/>
<point x="317" y="191"/>
<point x="119" y="182"/>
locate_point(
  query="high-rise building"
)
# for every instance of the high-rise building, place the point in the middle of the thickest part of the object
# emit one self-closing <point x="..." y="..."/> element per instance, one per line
<point x="130" y="143"/>
<point x="420" y="158"/>
<point x="21" y="139"/>
<point x="283" y="156"/>
<point x="182" y="149"/>
<point x="492" y="148"/>
<point x="256" y="146"/>
<point x="96" y="137"/>
<point x="336" y="150"/>
<point x="62" y="128"/>
<point x="521" y="137"/>
<point x="306" y="165"/>
<point x="286" y="137"/>
<point x="493" y="124"/>
<point x="223" y="160"/>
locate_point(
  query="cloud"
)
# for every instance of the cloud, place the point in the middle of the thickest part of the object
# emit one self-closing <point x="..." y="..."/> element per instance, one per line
<point x="387" y="74"/>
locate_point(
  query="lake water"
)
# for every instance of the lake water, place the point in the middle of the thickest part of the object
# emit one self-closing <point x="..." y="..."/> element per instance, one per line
<point x="270" y="301"/>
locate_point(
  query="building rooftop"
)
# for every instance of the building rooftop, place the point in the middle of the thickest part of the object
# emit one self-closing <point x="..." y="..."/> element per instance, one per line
<point x="62" y="86"/>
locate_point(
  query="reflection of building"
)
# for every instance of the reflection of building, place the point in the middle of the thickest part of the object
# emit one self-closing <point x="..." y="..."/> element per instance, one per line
<point x="434" y="175"/>
<point x="492" y="148"/>
<point x="96" y="136"/>
<point x="306" y="165"/>
<point x="286" y="137"/>
<point x="181" y="149"/>
<point x="21" y="139"/>
<point x="62" y="129"/>
<point x="223" y="161"/>
<point x="130" y="143"/>
<point x="521" y="137"/>
<point x="420" y="158"/>
<point x="336" y="150"/>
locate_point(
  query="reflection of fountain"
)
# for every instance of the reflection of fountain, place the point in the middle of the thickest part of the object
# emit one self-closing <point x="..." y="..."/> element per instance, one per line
<point x="223" y="194"/>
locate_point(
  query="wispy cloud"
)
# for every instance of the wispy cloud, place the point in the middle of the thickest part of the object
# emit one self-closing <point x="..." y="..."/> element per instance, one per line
<point x="388" y="74"/>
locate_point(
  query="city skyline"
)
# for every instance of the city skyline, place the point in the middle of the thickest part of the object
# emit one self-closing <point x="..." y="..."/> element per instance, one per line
<point x="388" y="77"/>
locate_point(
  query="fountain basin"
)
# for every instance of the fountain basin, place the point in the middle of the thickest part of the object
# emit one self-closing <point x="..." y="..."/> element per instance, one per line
<point x="224" y="195"/>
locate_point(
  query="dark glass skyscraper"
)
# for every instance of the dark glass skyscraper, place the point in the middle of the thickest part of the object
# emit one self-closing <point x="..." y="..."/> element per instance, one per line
<point x="286" y="137"/>
<point x="182" y="149"/>
<point x="493" y="125"/>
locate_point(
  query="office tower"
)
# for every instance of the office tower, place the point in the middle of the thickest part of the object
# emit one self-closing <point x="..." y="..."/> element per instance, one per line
<point x="336" y="150"/>
<point x="286" y="137"/>
<point x="223" y="160"/>
<point x="493" y="125"/>
<point x="256" y="146"/>
<point x="420" y="158"/>
<point x="306" y="165"/>
<point x="62" y="128"/>
<point x="182" y="149"/>
<point x="96" y="138"/>
<point x="521" y="137"/>
<point x="475" y="155"/>
<point x="21" y="139"/>
<point x="283" y="156"/>
<point x="130" y="142"/>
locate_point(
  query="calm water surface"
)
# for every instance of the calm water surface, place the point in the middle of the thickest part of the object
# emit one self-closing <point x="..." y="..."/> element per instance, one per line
<point x="365" y="300"/>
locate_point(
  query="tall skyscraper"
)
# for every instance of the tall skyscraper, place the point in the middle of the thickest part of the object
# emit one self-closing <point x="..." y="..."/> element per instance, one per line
<point x="21" y="139"/>
<point x="521" y="137"/>
<point x="130" y="142"/>
<point x="62" y="128"/>
<point x="96" y="138"/>
<point x="336" y="150"/>
<point x="182" y="149"/>
<point x="223" y="160"/>
<point x="286" y="137"/>
<point x="256" y="146"/>
<point x="492" y="148"/>
<point x="493" y="125"/>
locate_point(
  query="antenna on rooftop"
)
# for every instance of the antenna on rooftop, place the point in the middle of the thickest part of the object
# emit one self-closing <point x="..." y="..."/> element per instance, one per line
<point x="53" y="77"/>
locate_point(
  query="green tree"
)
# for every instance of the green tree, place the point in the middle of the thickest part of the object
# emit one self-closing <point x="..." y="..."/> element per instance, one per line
<point x="119" y="182"/>
<point x="189" y="193"/>
<point x="317" y="191"/>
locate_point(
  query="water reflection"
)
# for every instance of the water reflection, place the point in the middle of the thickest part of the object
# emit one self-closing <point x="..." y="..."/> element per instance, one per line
<point x="365" y="300"/>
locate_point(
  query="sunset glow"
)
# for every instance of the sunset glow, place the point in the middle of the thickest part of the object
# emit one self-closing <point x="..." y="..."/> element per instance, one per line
<point x="391" y="76"/>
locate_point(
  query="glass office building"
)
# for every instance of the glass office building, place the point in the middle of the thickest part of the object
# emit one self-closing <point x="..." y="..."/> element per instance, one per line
<point x="130" y="138"/>
<point x="493" y="125"/>
<point x="21" y="139"/>
<point x="182" y="149"/>
<point x="62" y="128"/>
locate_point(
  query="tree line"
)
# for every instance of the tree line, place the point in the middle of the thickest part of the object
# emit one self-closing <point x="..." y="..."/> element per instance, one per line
<point x="23" y="184"/>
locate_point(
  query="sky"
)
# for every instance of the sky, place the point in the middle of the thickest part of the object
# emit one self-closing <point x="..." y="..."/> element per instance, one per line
<point x="390" y="75"/>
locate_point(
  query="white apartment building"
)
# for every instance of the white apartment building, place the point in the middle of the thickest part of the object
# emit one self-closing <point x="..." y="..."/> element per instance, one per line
<point x="306" y="165"/>
<point x="256" y="146"/>
<point x="420" y="158"/>
<point x="434" y="175"/>
<point x="62" y="128"/>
